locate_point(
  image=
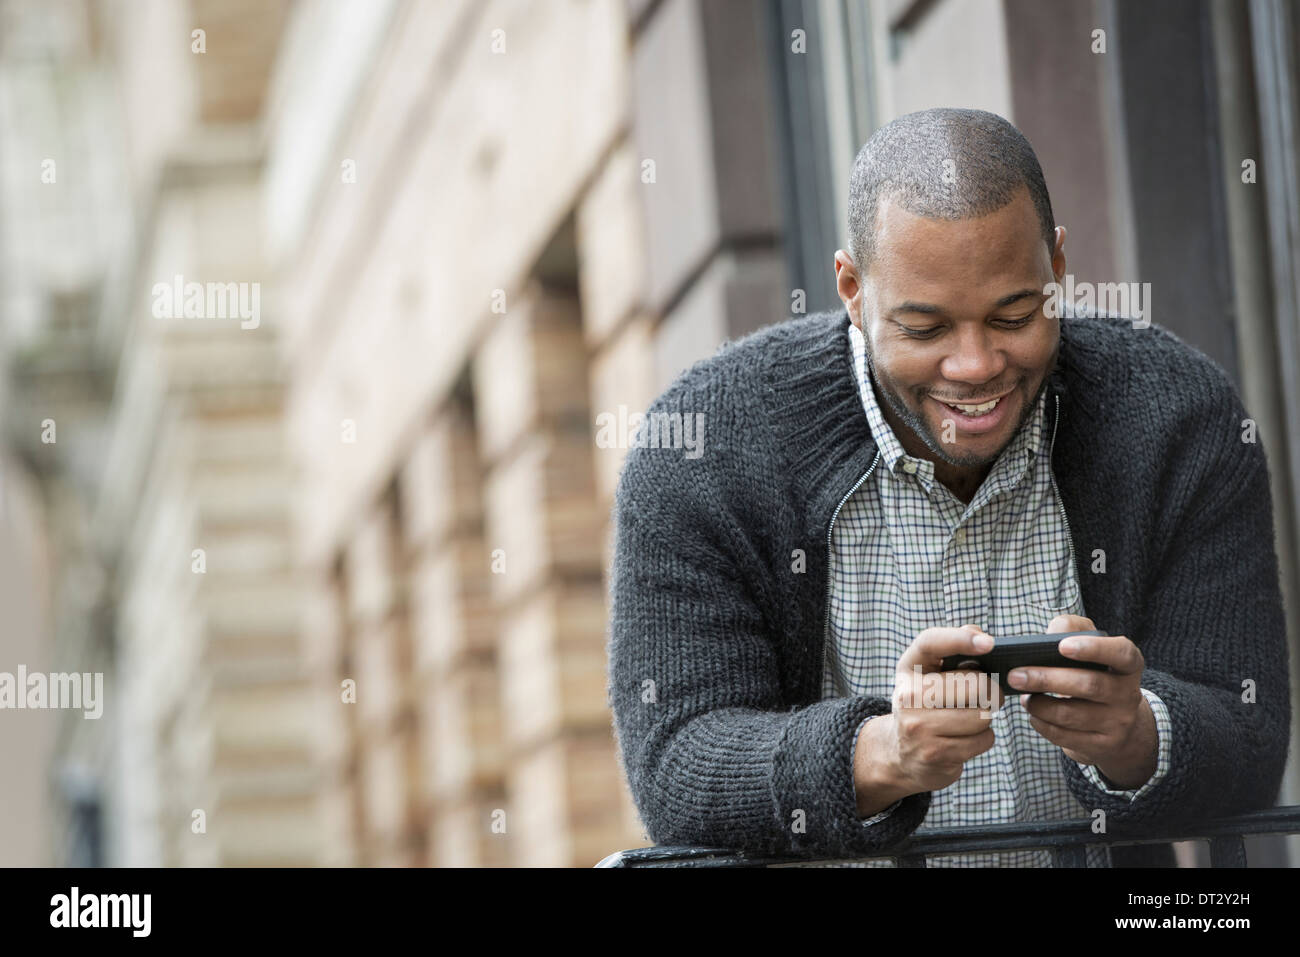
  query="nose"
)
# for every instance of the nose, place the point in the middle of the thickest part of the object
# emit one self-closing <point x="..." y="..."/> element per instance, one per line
<point x="974" y="359"/>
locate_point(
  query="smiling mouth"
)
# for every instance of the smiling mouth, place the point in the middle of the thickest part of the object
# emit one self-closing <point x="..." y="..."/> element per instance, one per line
<point x="974" y="408"/>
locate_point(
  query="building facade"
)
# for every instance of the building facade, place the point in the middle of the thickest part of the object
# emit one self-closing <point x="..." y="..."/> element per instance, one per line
<point x="341" y="549"/>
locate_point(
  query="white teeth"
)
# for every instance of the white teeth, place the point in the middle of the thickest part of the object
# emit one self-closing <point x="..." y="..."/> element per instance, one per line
<point x="974" y="409"/>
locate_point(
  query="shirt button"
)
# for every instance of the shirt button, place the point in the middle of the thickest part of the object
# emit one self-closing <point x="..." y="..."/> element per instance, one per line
<point x="909" y="468"/>
<point x="959" y="536"/>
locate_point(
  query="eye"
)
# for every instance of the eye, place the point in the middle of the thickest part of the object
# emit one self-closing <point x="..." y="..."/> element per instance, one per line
<point x="935" y="330"/>
<point x="922" y="333"/>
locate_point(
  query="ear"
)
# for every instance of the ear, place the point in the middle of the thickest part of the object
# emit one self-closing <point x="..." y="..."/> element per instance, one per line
<point x="848" y="285"/>
<point x="1058" y="254"/>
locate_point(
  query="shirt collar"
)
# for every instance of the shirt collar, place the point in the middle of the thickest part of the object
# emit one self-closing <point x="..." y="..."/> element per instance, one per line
<point x="1007" y="471"/>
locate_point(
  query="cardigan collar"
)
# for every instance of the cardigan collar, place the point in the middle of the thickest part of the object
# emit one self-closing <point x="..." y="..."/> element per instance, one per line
<point x="817" y="408"/>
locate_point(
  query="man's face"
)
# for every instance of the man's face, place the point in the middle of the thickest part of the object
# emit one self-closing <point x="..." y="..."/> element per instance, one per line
<point x="952" y="312"/>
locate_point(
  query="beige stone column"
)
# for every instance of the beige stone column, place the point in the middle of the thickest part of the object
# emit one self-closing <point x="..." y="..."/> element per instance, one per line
<point x="458" y="703"/>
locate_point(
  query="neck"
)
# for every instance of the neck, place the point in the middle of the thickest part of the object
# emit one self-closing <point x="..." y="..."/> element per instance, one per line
<point x="963" y="483"/>
<point x="962" y="480"/>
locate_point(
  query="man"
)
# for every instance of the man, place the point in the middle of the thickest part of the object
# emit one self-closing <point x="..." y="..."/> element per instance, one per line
<point x="947" y="459"/>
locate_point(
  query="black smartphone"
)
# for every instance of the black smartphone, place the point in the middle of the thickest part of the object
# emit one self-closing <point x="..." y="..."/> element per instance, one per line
<point x="1018" y="651"/>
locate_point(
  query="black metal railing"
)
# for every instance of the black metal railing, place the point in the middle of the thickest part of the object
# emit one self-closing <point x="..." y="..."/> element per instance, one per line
<point x="1067" y="840"/>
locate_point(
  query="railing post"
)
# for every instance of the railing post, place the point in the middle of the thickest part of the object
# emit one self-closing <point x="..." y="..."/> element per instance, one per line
<point x="1227" y="852"/>
<point x="1070" y="855"/>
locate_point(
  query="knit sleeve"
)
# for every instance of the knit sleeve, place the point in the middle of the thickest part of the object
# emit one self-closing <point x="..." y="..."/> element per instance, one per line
<point x="714" y="753"/>
<point x="1212" y="631"/>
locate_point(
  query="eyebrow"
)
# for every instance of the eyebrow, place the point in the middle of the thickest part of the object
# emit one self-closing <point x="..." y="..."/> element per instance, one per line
<point x="929" y="309"/>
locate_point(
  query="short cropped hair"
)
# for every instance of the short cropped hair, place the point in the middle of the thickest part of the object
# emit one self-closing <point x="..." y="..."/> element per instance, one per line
<point x="943" y="164"/>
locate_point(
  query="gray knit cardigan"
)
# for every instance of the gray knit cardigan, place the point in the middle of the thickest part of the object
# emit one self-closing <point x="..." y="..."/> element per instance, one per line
<point x="719" y="588"/>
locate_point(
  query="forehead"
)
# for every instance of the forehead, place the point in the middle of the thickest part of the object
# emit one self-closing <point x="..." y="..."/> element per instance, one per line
<point x="938" y="260"/>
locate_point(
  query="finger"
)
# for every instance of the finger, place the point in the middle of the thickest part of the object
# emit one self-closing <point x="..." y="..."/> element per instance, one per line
<point x="963" y="749"/>
<point x="931" y="646"/>
<point x="943" y="722"/>
<point x="1117" y="651"/>
<point x="1085" y="742"/>
<point x="1074" y="714"/>
<point x="1070" y="623"/>
<point x="1074" y="682"/>
<point x="971" y="689"/>
<point x="979" y="743"/>
<point x="950" y="689"/>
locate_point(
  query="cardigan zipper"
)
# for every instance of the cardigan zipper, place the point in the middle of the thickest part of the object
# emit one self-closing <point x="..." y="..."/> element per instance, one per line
<point x="830" y="531"/>
<point x="1069" y="535"/>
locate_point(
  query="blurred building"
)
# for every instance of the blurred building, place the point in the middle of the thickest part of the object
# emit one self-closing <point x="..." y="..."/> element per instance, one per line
<point x="343" y="561"/>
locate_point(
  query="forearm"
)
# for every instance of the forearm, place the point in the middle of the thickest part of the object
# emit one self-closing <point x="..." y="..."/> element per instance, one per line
<point x="1226" y="755"/>
<point x="777" y="782"/>
<point x="708" y="781"/>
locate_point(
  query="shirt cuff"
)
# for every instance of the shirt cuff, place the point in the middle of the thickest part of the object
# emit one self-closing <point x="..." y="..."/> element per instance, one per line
<point x="1164" y="736"/>
<point x="875" y="818"/>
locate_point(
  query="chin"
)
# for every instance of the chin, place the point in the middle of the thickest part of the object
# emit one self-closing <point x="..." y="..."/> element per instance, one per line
<point x="967" y="458"/>
<point x="970" y="450"/>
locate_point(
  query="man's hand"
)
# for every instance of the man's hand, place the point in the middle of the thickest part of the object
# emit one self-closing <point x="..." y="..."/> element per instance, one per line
<point x="1106" y="720"/>
<point x="940" y="720"/>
